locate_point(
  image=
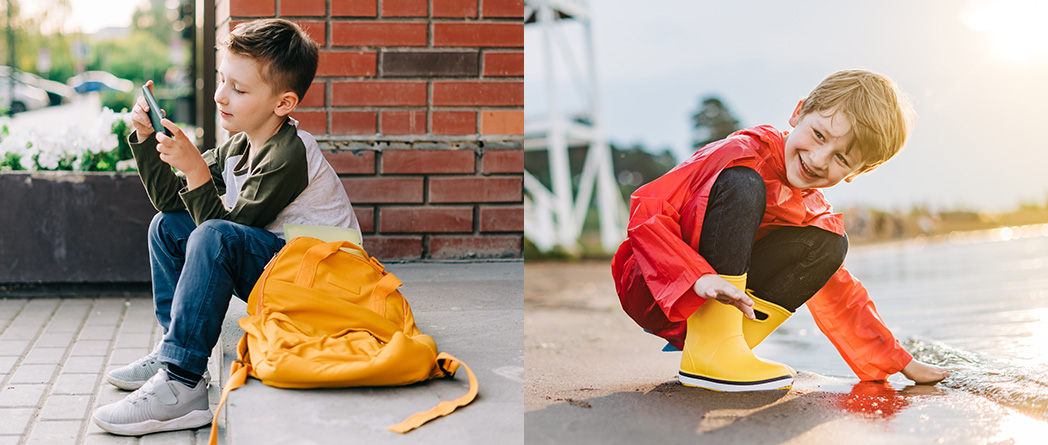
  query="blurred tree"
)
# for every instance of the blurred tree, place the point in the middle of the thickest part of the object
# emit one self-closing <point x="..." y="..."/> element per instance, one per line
<point x="712" y="122"/>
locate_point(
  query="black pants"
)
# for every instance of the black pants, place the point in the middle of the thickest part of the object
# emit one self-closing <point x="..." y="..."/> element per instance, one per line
<point x="786" y="266"/>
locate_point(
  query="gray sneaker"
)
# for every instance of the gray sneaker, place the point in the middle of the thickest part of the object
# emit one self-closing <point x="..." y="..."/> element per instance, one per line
<point x="132" y="376"/>
<point x="161" y="404"/>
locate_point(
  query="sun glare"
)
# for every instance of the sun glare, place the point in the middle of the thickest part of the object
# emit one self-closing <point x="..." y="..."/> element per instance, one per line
<point x="1014" y="28"/>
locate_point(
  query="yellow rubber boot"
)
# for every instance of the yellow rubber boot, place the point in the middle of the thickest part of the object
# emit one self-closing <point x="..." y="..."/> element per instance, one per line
<point x="716" y="356"/>
<point x="769" y="317"/>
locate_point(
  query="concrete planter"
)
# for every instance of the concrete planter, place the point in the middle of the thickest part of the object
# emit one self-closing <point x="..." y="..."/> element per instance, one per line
<point x="73" y="228"/>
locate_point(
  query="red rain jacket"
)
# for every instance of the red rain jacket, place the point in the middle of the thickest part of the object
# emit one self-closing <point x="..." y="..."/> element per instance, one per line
<point x="657" y="265"/>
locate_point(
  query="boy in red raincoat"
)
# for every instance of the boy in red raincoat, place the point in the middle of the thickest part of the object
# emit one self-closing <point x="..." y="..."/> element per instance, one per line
<point x="742" y="222"/>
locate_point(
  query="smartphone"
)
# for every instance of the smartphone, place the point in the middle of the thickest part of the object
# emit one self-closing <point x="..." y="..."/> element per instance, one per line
<point x="154" y="111"/>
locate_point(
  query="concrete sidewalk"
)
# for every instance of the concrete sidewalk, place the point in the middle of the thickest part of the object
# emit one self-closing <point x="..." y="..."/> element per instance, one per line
<point x="54" y="352"/>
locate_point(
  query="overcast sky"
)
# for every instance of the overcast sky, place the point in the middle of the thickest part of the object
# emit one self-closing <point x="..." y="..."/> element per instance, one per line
<point x="976" y="72"/>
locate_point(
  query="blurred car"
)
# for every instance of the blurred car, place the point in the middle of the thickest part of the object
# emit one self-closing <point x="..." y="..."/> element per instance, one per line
<point x="57" y="92"/>
<point x="89" y="81"/>
<point x="26" y="97"/>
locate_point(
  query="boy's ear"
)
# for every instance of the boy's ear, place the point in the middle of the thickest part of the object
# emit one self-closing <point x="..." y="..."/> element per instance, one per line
<point x="795" y="118"/>
<point x="287" y="102"/>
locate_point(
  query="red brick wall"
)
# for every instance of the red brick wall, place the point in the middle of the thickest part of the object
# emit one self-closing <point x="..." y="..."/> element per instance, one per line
<point x="422" y="105"/>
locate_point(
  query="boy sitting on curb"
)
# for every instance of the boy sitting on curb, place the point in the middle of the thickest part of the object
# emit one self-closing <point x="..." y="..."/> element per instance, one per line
<point x="742" y="222"/>
<point x="222" y="221"/>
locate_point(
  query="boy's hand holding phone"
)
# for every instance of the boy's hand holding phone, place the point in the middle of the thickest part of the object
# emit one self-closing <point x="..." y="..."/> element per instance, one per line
<point x="174" y="146"/>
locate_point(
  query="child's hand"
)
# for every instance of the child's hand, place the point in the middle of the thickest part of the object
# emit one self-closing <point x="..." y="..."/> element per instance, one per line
<point x="140" y="117"/>
<point x="178" y="152"/>
<point x="924" y="374"/>
<point x="713" y="287"/>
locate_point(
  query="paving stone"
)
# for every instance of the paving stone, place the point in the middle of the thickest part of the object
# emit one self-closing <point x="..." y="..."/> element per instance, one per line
<point x="26" y="396"/>
<point x="168" y="438"/>
<point x="7" y="364"/>
<point x="69" y="316"/>
<point x="96" y="333"/>
<point x="121" y="357"/>
<point x="15" y="420"/>
<point x="83" y="365"/>
<point x="10" y="307"/>
<point x="21" y="329"/>
<point x="126" y="339"/>
<point x="67" y="384"/>
<point x="65" y="407"/>
<point x="53" y="432"/>
<point x="13" y="440"/>
<point x="100" y="437"/>
<point x="54" y="339"/>
<point x="13" y="347"/>
<point x="90" y="347"/>
<point x="106" y="312"/>
<point x="33" y="374"/>
<point x="44" y="356"/>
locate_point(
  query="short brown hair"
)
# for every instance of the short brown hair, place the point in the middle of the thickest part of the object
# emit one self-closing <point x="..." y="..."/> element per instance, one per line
<point x="287" y="56"/>
<point x="880" y="116"/>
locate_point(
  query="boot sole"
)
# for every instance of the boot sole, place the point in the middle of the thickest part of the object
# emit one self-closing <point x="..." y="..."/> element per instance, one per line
<point x="125" y="385"/>
<point x="192" y="420"/>
<point x="698" y="381"/>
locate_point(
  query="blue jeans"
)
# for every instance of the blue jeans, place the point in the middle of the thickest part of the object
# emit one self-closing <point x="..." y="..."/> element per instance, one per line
<point x="787" y="265"/>
<point x="195" y="272"/>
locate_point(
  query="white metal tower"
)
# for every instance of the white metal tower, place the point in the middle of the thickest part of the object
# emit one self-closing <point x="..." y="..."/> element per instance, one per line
<point x="554" y="216"/>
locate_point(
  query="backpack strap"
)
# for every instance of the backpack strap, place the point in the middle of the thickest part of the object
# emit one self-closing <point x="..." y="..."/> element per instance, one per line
<point x="237" y="377"/>
<point x="448" y="364"/>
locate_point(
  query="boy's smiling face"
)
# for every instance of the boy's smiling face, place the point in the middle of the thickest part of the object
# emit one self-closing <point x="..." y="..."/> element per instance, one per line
<point x="245" y="102"/>
<point x="817" y="153"/>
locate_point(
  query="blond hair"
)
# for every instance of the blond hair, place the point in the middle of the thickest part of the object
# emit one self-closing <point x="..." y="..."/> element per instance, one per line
<point x="880" y="116"/>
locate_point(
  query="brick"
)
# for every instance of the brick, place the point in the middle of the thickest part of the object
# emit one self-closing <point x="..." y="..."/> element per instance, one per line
<point x="476" y="189"/>
<point x="314" y="122"/>
<point x="502" y="161"/>
<point x="354" y="8"/>
<point x="378" y="93"/>
<point x="303" y="7"/>
<point x="504" y="63"/>
<point x="347" y="63"/>
<point x="354" y="122"/>
<point x="502" y="122"/>
<point x="470" y="247"/>
<point x="428" y="161"/>
<point x="96" y="333"/>
<point x="405" y="8"/>
<point x="425" y="219"/>
<point x="394" y="247"/>
<point x="384" y="190"/>
<point x="398" y="122"/>
<point x="252" y="8"/>
<point x="366" y="217"/>
<point x="503" y="8"/>
<point x="7" y="364"/>
<point x="315" y="95"/>
<point x="316" y="30"/>
<point x="505" y="35"/>
<point x="13" y="347"/>
<point x="430" y="64"/>
<point x="502" y="219"/>
<point x="478" y="93"/>
<point x="454" y="122"/>
<point x="379" y="33"/>
<point x="455" y="8"/>
<point x="352" y="162"/>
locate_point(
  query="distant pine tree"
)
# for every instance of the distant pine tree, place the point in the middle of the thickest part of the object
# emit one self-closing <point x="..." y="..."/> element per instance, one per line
<point x="712" y="122"/>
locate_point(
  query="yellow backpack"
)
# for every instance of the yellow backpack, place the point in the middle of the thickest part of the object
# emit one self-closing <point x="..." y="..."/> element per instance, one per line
<point x="320" y="316"/>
